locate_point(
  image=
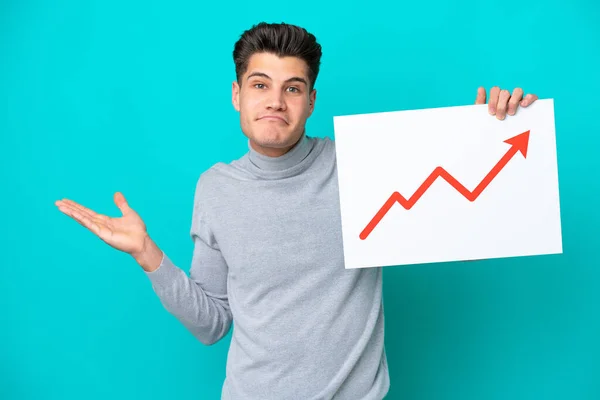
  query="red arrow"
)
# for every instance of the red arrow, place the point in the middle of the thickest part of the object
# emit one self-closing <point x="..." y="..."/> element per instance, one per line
<point x="518" y="143"/>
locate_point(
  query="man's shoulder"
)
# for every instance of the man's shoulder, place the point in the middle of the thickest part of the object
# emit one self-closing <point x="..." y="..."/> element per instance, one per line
<point x="214" y="174"/>
<point x="327" y="146"/>
<point x="208" y="188"/>
<point x="323" y="143"/>
<point x="327" y="141"/>
<point x="221" y="176"/>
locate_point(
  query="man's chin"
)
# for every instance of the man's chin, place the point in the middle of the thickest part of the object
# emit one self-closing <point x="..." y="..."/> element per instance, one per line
<point x="275" y="141"/>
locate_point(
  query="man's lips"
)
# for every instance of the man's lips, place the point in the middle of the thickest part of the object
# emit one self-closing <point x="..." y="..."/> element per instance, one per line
<point x="273" y="117"/>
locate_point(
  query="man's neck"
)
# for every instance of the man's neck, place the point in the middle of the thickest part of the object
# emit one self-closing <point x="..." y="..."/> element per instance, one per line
<point x="273" y="151"/>
<point x="270" y="151"/>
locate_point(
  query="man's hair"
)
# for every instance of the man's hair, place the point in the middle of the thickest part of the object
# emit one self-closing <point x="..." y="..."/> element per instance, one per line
<point x="279" y="39"/>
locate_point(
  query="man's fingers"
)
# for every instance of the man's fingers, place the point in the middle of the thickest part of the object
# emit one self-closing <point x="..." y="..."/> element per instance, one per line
<point x="513" y="103"/>
<point x="530" y="98"/>
<point x="84" y="210"/>
<point x="79" y="207"/>
<point x="502" y="104"/>
<point x="480" y="99"/>
<point x="493" y="100"/>
<point x="82" y="219"/>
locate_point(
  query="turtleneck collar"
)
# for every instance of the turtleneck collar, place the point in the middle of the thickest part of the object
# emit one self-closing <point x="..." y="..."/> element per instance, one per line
<point x="291" y="163"/>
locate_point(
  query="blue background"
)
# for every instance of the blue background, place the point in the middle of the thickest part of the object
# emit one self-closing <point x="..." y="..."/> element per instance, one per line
<point x="105" y="96"/>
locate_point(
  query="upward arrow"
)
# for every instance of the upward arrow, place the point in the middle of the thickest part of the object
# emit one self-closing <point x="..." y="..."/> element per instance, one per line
<point x="519" y="143"/>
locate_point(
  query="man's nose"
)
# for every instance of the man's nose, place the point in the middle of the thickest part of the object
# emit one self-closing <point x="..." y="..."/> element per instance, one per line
<point x="276" y="100"/>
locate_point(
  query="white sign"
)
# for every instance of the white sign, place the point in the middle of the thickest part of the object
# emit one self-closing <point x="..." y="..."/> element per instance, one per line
<point x="447" y="184"/>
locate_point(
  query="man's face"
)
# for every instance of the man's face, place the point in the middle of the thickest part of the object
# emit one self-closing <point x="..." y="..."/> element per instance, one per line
<point x="274" y="101"/>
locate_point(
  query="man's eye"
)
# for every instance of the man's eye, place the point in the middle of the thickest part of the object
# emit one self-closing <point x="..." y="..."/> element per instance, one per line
<point x="294" y="89"/>
<point x="259" y="85"/>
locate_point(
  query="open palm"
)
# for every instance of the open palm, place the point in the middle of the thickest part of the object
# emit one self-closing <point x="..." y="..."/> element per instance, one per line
<point x="126" y="233"/>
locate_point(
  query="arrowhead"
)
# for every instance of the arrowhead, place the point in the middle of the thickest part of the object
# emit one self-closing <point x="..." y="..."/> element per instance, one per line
<point x="519" y="142"/>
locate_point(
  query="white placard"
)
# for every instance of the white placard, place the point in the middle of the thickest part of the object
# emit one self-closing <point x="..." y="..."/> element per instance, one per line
<point x="447" y="184"/>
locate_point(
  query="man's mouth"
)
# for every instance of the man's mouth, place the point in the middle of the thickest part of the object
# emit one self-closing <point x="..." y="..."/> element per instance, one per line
<point x="273" y="118"/>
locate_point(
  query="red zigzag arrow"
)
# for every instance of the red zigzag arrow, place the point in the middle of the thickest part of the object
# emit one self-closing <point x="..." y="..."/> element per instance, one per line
<point x="518" y="143"/>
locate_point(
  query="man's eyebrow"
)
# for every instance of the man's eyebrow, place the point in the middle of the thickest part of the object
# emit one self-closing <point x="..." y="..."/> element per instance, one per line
<point x="292" y="79"/>
<point x="297" y="79"/>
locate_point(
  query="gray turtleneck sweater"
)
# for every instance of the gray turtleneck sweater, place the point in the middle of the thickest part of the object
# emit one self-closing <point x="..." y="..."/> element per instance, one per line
<point x="268" y="261"/>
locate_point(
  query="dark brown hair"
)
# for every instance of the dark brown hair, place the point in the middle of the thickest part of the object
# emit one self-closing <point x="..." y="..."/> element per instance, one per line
<point x="279" y="39"/>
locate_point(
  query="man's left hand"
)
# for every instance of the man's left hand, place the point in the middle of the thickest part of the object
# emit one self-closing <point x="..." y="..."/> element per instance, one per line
<point x="501" y="102"/>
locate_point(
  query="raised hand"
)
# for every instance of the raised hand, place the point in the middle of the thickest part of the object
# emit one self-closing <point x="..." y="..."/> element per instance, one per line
<point x="126" y="233"/>
<point x="501" y="102"/>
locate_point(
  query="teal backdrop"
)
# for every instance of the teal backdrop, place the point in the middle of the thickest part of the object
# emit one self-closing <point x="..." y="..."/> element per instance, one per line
<point x="105" y="96"/>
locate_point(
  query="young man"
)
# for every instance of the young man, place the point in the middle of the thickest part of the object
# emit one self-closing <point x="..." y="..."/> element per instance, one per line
<point x="268" y="241"/>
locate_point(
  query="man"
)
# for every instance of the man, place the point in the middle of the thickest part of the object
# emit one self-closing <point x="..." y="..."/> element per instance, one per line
<point x="267" y="237"/>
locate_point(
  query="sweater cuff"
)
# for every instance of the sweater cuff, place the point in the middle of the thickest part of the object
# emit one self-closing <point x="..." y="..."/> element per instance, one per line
<point x="165" y="273"/>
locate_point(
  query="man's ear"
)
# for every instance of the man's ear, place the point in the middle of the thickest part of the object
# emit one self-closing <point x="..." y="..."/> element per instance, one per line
<point x="312" y="98"/>
<point x="235" y="95"/>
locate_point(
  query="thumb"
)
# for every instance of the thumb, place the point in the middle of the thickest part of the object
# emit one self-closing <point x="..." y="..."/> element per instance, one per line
<point x="121" y="202"/>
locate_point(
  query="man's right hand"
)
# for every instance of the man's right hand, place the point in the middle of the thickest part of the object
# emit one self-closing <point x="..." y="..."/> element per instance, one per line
<point x="127" y="233"/>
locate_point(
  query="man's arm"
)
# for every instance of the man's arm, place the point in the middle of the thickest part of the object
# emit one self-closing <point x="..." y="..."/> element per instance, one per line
<point x="199" y="301"/>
